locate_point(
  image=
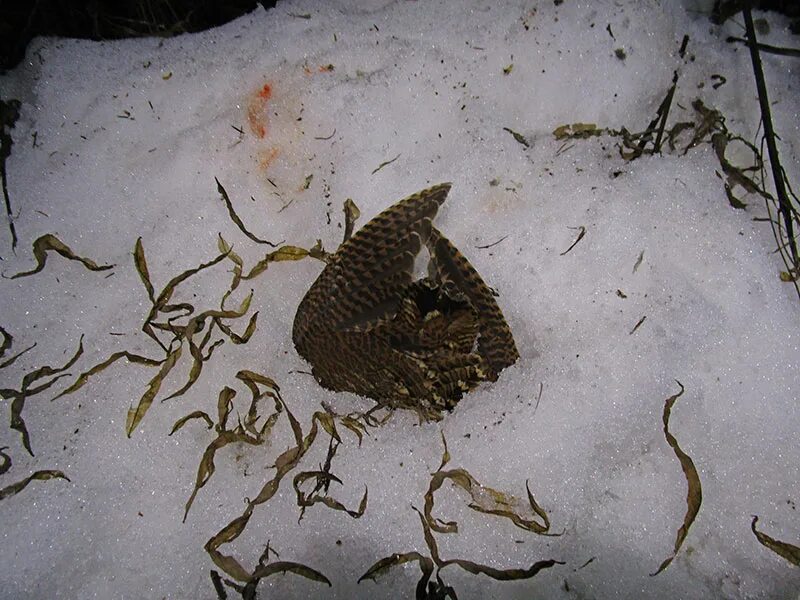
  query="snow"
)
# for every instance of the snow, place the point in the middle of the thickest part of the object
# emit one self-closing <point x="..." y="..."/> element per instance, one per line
<point x="423" y="82"/>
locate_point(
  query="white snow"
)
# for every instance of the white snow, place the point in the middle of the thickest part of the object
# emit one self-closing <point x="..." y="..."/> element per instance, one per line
<point x="129" y="136"/>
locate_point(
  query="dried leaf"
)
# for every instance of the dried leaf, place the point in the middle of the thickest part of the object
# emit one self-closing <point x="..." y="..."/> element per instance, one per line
<point x="197" y="414"/>
<point x="577" y="130"/>
<point x="384" y="164"/>
<point x="235" y="218"/>
<point x="84" y="377"/>
<point x="13" y="359"/>
<point x="49" y="242"/>
<point x="782" y="549"/>
<point x="638" y="262"/>
<point x="238" y="263"/>
<point x="15" y="488"/>
<point x="262" y="571"/>
<point x="25" y="391"/>
<point x="328" y="424"/>
<point x="578" y="239"/>
<point x="502" y="574"/>
<point x="384" y="564"/>
<point x="281" y="254"/>
<point x="207" y="468"/>
<point x="484" y="499"/>
<point x="354" y="426"/>
<point x="135" y="415"/>
<point x="695" y="495"/>
<point x="141" y="268"/>
<point x="351" y="215"/>
<point x="519" y="138"/>
<point x="6" y="460"/>
<point x="8" y="340"/>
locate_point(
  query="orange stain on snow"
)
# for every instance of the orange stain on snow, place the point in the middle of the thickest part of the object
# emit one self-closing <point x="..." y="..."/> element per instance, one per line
<point x="267" y="157"/>
<point x="257" y="110"/>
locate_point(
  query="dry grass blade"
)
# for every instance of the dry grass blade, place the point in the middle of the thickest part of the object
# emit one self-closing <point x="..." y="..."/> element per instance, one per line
<point x="285" y="462"/>
<point x="207" y="468"/>
<point x="197" y="414"/>
<point x="8" y="340"/>
<point x="238" y="263"/>
<point x="49" y="242"/>
<point x="169" y="289"/>
<point x="484" y="499"/>
<point x="281" y="254"/>
<point x="581" y="233"/>
<point x="17" y="487"/>
<point x="195" y="324"/>
<point x="25" y="391"/>
<point x="782" y="549"/>
<point x="262" y="571"/>
<point x="135" y="415"/>
<point x="141" y="268"/>
<point x="502" y="574"/>
<point x="6" y="460"/>
<point x="235" y="218"/>
<point x="351" y="215"/>
<point x="384" y="564"/>
<point x="695" y="495"/>
<point x="354" y="426"/>
<point x="577" y="131"/>
<point x="10" y="361"/>
<point x="84" y="377"/>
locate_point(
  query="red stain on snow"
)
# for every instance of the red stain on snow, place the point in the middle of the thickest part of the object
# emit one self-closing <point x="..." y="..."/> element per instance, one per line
<point x="257" y="110"/>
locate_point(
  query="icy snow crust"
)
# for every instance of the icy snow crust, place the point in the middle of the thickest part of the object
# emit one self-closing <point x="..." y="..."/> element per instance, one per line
<point x="424" y="81"/>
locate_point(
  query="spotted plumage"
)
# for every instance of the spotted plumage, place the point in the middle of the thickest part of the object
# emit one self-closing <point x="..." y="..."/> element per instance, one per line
<point x="366" y="326"/>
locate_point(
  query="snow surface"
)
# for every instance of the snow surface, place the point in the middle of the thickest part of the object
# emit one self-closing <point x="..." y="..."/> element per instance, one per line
<point x="425" y="81"/>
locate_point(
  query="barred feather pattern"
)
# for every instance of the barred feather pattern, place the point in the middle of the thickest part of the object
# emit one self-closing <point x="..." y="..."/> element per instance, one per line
<point x="367" y="327"/>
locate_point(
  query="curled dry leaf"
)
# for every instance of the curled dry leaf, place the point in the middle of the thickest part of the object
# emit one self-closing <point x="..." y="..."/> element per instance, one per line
<point x="235" y="218"/>
<point x="197" y="414"/>
<point x="17" y="487"/>
<point x="695" y="494"/>
<point x="135" y="415"/>
<point x="49" y="242"/>
<point x="19" y="396"/>
<point x="84" y="377"/>
<point x="782" y="549"/>
<point x="6" y="465"/>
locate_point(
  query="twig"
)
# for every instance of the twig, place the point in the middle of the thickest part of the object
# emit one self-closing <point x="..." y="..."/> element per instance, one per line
<point x="767" y="47"/>
<point x="769" y="134"/>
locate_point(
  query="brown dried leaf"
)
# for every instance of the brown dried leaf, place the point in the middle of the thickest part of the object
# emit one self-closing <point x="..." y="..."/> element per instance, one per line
<point x="384" y="564"/>
<point x="17" y="487"/>
<point x="695" y="494"/>
<point x="49" y="242"/>
<point x="84" y="377"/>
<point x="207" y="468"/>
<point x="262" y="571"/>
<point x="281" y="254"/>
<point x="6" y="460"/>
<point x="13" y="359"/>
<point x="141" y="268"/>
<point x="235" y="218"/>
<point x="8" y="340"/>
<point x="576" y="130"/>
<point x="19" y="396"/>
<point x="197" y="414"/>
<point x="502" y="574"/>
<point x="224" y="406"/>
<point x="351" y="215"/>
<point x="782" y="549"/>
<point x="135" y="415"/>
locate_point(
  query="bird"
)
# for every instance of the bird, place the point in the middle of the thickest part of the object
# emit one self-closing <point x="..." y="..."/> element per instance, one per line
<point x="367" y="326"/>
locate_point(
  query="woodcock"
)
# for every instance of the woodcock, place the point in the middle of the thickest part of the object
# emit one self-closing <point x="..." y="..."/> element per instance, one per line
<point x="366" y="326"/>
